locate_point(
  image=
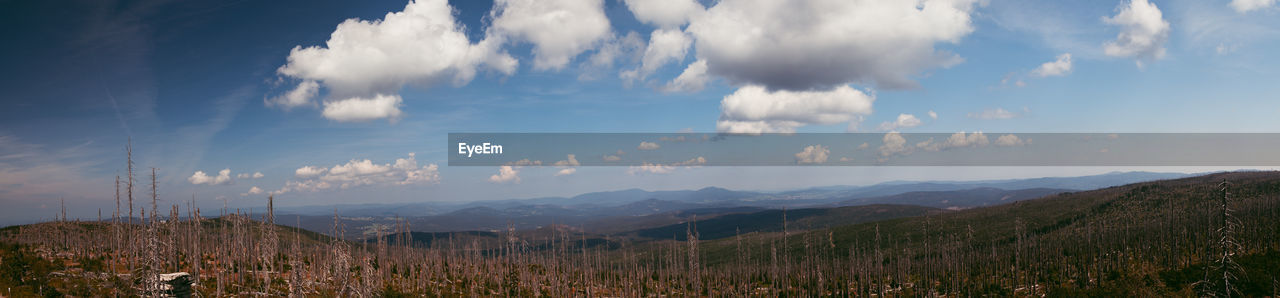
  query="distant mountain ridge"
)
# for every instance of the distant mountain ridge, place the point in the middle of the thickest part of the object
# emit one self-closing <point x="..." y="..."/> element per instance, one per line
<point x="617" y="210"/>
<point x="808" y="197"/>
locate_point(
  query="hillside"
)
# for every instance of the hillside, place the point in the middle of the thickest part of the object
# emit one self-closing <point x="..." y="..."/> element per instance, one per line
<point x="772" y="221"/>
<point x="1162" y="238"/>
<point x="957" y="199"/>
<point x="1145" y="239"/>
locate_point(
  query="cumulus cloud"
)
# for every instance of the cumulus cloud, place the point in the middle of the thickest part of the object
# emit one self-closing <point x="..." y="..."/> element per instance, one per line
<point x="821" y="44"/>
<point x="252" y="191"/>
<point x="993" y="114"/>
<point x="363" y="109"/>
<point x="374" y="59"/>
<point x="893" y="143"/>
<point x="664" y="13"/>
<point x="692" y="79"/>
<point x="1143" y="32"/>
<point x="506" y="174"/>
<point x="571" y="161"/>
<point x="696" y="161"/>
<point x="255" y="175"/>
<point x="625" y="48"/>
<point x="358" y="172"/>
<point x="1059" y="67"/>
<point x="655" y="168"/>
<point x="614" y="157"/>
<point x="309" y="172"/>
<point x="956" y="140"/>
<point x="648" y="146"/>
<point x="525" y="162"/>
<point x="904" y="121"/>
<point x="303" y="186"/>
<point x="650" y="168"/>
<point x="1244" y="6"/>
<point x="559" y="30"/>
<point x="665" y="46"/>
<point x="754" y="109"/>
<point x="199" y="177"/>
<point x="933" y="115"/>
<point x="812" y="155"/>
<point x="1010" y="140"/>
<point x="299" y="96"/>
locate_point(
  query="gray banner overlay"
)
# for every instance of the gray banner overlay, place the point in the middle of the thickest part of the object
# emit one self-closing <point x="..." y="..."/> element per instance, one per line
<point x="864" y="149"/>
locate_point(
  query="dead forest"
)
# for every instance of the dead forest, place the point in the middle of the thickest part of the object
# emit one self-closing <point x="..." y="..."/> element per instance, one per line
<point x="1214" y="235"/>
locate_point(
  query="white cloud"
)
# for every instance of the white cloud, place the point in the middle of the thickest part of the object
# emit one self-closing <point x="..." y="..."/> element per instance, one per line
<point x="299" y="96"/>
<point x="648" y="146"/>
<point x="571" y="161"/>
<point x="894" y="143"/>
<point x="904" y="121"/>
<point x="1010" y="140"/>
<point x="654" y="168"/>
<point x="255" y="175"/>
<point x="420" y="45"/>
<point x="933" y="115"/>
<point x="1012" y="77"/>
<point x="692" y="79"/>
<point x="693" y="162"/>
<point x="506" y="174"/>
<point x="618" y="48"/>
<point x="616" y="157"/>
<point x="426" y="174"/>
<point x="1244" y="6"/>
<point x="199" y="177"/>
<point x="558" y="29"/>
<point x="357" y="109"/>
<point x="665" y="46"/>
<point x="1143" y="32"/>
<point x="355" y="169"/>
<point x="993" y="114"/>
<point x="812" y="154"/>
<point x="820" y="44"/>
<point x="1059" y="67"/>
<point x="664" y="13"/>
<point x="525" y="162"/>
<point x="960" y="139"/>
<point x="650" y="168"/>
<point x="864" y="145"/>
<point x="956" y="140"/>
<point x="753" y="109"/>
<point x="309" y="172"/>
<point x="303" y="186"/>
<point x="252" y="191"/>
<point x="358" y="172"/>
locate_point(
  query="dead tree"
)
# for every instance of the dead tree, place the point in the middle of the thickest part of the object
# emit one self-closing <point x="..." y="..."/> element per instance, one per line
<point x="1220" y="276"/>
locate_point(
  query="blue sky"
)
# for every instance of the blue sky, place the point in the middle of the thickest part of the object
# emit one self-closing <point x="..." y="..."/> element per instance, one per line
<point x="205" y="87"/>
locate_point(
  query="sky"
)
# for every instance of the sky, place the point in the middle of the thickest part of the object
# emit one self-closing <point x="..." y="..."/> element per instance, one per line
<point x="340" y="102"/>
